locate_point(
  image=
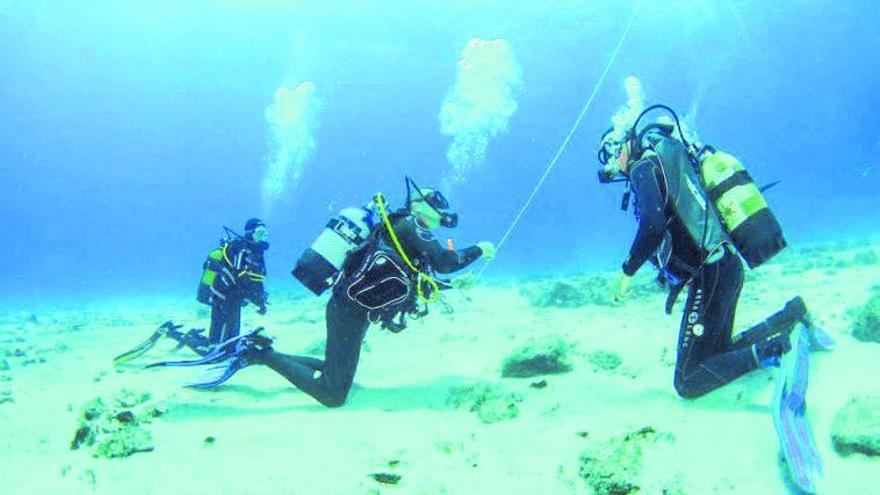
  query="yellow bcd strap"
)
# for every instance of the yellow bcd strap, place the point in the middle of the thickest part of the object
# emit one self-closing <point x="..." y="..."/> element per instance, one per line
<point x="226" y="256"/>
<point x="380" y="201"/>
<point x="256" y="277"/>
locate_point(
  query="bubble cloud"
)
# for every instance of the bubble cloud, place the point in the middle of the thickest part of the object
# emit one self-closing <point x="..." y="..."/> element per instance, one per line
<point x="626" y="115"/>
<point x="480" y="103"/>
<point x="292" y="119"/>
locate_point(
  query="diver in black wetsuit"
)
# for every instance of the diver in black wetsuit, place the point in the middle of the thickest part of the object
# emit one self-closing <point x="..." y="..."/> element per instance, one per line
<point x="677" y="217"/>
<point x="234" y="275"/>
<point x="348" y="311"/>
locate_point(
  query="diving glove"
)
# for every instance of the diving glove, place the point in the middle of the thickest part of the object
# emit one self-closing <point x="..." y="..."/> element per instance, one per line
<point x="621" y="292"/>
<point x="487" y="248"/>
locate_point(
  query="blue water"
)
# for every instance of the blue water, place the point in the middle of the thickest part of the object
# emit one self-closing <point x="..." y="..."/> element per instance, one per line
<point x="132" y="131"/>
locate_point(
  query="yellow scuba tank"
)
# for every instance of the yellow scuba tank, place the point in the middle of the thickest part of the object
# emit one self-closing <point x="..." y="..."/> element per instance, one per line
<point x="747" y="218"/>
<point x="213" y="264"/>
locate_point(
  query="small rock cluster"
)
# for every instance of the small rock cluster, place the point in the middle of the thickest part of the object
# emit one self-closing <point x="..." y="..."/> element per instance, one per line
<point x="543" y="356"/>
<point x="115" y="428"/>
<point x="491" y="403"/>
<point x="604" y="360"/>
<point x="581" y="291"/>
<point x="866" y="320"/>
<point x="866" y="257"/>
<point x="856" y="427"/>
<point x="614" y="466"/>
<point x="828" y="258"/>
<point x="5" y="379"/>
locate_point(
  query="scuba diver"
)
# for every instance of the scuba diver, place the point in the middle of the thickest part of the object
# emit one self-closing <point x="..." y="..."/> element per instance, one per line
<point x="233" y="275"/>
<point x="698" y="212"/>
<point x="379" y="266"/>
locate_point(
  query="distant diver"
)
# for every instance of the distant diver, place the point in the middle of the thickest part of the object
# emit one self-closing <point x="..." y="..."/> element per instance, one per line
<point x="233" y="275"/>
<point x="380" y="267"/>
<point x="698" y="212"/>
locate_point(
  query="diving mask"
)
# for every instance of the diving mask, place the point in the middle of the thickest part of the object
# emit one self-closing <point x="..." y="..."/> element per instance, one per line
<point x="608" y="154"/>
<point x="436" y="201"/>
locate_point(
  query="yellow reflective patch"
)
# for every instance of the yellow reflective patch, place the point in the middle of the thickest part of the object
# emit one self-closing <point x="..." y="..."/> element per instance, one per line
<point x="208" y="277"/>
<point x="740" y="203"/>
<point x="256" y="277"/>
<point x="718" y="167"/>
<point x="216" y="254"/>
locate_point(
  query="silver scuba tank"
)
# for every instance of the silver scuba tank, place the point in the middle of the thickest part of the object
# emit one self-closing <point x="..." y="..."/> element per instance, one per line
<point x="320" y="265"/>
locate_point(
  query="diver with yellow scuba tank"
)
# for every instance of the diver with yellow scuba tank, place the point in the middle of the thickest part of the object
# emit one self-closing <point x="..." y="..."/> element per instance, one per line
<point x="380" y="267"/>
<point x="698" y="212"/>
<point x="232" y="275"/>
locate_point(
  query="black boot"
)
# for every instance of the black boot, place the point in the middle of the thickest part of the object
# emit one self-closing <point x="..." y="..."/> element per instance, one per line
<point x="768" y="352"/>
<point x="797" y="310"/>
<point x="781" y="323"/>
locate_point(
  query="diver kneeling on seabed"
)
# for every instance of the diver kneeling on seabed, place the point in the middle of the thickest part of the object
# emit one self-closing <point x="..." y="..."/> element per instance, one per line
<point x="699" y="211"/>
<point x="232" y="276"/>
<point x="380" y="267"/>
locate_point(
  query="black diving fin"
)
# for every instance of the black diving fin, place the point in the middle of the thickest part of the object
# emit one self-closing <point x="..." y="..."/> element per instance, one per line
<point x="146" y="345"/>
<point x="226" y="350"/>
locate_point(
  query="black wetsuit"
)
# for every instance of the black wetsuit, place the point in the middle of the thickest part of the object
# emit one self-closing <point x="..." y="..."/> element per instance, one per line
<point x="329" y="380"/>
<point x="236" y="285"/>
<point x="708" y="356"/>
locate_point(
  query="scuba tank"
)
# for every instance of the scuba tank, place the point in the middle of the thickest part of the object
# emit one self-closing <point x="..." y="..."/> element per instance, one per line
<point x="214" y="264"/>
<point x="747" y="218"/>
<point x="738" y="205"/>
<point x="320" y="265"/>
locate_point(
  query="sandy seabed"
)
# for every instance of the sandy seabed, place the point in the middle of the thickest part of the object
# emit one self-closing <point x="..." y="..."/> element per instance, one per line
<point x="258" y="435"/>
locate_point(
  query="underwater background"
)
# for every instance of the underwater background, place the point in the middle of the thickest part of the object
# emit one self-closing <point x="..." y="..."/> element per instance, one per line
<point x="133" y="131"/>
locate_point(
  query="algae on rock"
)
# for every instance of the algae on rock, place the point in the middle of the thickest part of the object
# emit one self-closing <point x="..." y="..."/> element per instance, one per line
<point x="856" y="427"/>
<point x="547" y="355"/>
<point x="114" y="428"/>
<point x="866" y="320"/>
<point x="491" y="403"/>
<point x="606" y="360"/>
<point x="614" y="466"/>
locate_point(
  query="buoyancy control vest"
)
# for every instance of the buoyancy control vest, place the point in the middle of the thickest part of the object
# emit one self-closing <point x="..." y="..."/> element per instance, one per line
<point x="727" y="205"/>
<point x="376" y="278"/>
<point x="219" y="264"/>
<point x="360" y="256"/>
<point x="686" y="196"/>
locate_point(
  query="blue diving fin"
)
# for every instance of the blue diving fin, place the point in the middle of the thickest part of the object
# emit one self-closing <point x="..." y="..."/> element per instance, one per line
<point x="789" y="416"/>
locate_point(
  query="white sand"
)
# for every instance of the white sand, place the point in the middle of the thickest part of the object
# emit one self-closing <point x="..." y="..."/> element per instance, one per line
<point x="273" y="439"/>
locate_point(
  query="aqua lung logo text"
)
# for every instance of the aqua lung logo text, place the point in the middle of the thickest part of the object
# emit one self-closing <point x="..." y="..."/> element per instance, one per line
<point x="694" y="328"/>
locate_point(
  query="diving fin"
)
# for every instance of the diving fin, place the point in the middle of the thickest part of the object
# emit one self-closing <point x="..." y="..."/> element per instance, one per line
<point x="223" y="351"/>
<point x="789" y="416"/>
<point x="218" y="374"/>
<point x="146" y="345"/>
<point x="819" y="339"/>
